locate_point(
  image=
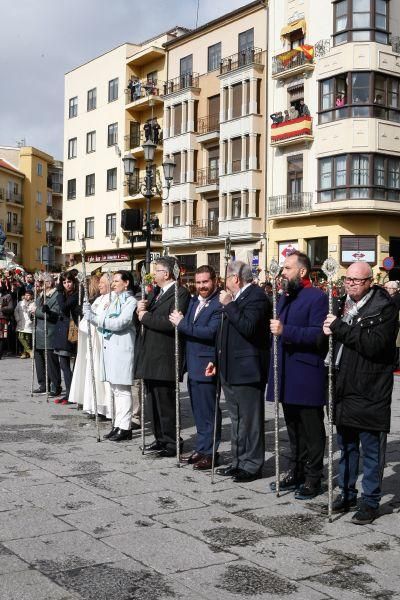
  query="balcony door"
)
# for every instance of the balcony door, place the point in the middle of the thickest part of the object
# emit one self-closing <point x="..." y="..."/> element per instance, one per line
<point x="295" y="182"/>
<point x="245" y="40"/>
<point x="212" y="217"/>
<point x="213" y="164"/>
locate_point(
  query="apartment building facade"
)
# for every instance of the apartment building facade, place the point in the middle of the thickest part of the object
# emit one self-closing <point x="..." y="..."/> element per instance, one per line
<point x="11" y="207"/>
<point x="112" y="104"/>
<point x="29" y="203"/>
<point x="334" y="169"/>
<point x="214" y="130"/>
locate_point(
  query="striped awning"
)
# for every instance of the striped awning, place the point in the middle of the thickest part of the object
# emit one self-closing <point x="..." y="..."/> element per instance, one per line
<point x="288" y="29"/>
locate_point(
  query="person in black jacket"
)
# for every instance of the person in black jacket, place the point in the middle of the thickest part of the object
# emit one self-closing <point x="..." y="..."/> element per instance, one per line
<point x="155" y="355"/>
<point x="364" y="333"/>
<point x="243" y="356"/>
<point x="68" y="302"/>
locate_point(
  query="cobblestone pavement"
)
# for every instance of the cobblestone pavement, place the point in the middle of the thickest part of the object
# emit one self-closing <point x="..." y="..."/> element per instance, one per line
<point x="97" y="521"/>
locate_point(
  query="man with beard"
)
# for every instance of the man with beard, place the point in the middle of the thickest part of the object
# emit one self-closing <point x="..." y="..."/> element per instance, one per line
<point x="199" y="329"/>
<point x="302" y="310"/>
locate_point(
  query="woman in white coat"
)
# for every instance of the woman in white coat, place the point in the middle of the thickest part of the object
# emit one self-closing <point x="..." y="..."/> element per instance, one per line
<point x="118" y="332"/>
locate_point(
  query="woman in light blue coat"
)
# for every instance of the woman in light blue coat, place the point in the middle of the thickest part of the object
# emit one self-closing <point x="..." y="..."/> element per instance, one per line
<point x="118" y="332"/>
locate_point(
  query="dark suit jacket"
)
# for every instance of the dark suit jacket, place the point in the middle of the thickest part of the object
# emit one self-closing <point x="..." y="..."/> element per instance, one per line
<point x="243" y="345"/>
<point x="301" y="370"/>
<point x="155" y="349"/>
<point x="199" y="337"/>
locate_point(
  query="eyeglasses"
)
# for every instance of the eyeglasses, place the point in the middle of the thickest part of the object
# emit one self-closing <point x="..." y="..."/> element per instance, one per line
<point x="160" y="271"/>
<point x="356" y="281"/>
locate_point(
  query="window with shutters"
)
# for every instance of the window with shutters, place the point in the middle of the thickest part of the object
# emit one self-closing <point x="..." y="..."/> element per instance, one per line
<point x="236" y="154"/>
<point x="236" y="100"/>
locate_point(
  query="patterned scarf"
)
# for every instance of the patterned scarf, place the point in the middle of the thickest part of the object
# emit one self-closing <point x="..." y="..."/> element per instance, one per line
<point x="113" y="311"/>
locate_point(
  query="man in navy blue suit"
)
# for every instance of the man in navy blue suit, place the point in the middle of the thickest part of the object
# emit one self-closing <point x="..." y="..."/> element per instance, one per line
<point x="302" y="310"/>
<point x="199" y="329"/>
<point x="243" y="368"/>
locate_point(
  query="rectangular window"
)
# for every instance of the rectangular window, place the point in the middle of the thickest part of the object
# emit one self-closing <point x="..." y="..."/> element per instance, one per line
<point x="178" y="119"/>
<point x="92" y="99"/>
<point x="39" y="197"/>
<point x="325" y="178"/>
<point x="236" y="205"/>
<point x="176" y="213"/>
<point x="236" y="100"/>
<point x="71" y="189"/>
<point x="351" y="245"/>
<point x="39" y="169"/>
<point x="112" y="179"/>
<point x="381" y="14"/>
<point x="111" y="224"/>
<point x="70" y="230"/>
<point x="113" y="90"/>
<point x="186" y="65"/>
<point x="177" y="168"/>
<point x="15" y="248"/>
<point x="90" y="185"/>
<point x="214" y="57"/>
<point x="112" y="134"/>
<point x="90" y="142"/>
<point x="73" y="107"/>
<point x="38" y="224"/>
<point x="236" y="154"/>
<point x="72" y="147"/>
<point x="361" y="14"/>
<point x="246" y="40"/>
<point x="89" y="227"/>
<point x="359" y="176"/>
<point x="341" y="16"/>
<point x="317" y="250"/>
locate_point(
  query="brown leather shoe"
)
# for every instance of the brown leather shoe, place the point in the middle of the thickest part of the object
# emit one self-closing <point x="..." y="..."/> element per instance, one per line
<point x="205" y="463"/>
<point x="191" y="457"/>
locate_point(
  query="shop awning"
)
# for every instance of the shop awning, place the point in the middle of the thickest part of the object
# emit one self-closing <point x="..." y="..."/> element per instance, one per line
<point x="90" y="267"/>
<point x="288" y="29"/>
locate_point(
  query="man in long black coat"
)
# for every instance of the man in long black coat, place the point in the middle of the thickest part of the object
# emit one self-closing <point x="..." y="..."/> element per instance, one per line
<point x="155" y="355"/>
<point x="365" y="348"/>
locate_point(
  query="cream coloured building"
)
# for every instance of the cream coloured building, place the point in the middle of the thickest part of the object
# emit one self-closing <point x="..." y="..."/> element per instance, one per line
<point x="334" y="175"/>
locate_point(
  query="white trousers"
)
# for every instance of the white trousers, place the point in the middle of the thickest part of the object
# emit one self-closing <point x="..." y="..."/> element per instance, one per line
<point x="123" y="405"/>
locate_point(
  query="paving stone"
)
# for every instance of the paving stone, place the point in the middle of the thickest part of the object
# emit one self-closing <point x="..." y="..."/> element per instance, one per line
<point x="102" y="522"/>
<point x="20" y="480"/>
<point x="12" y="464"/>
<point x="111" y="485"/>
<point x="11" y="500"/>
<point x="28" y="522"/>
<point x="63" y="551"/>
<point x="64" y="498"/>
<point x="168" y="551"/>
<point x="31" y="585"/>
<point x="155" y="503"/>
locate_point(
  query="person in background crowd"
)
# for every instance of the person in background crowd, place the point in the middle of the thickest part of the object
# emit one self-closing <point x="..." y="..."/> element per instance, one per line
<point x="293" y="113"/>
<point x="199" y="329"/>
<point x="6" y="311"/>
<point x="24" y="325"/>
<point x="51" y="308"/>
<point x="64" y="348"/>
<point x="155" y="355"/>
<point x="29" y="282"/>
<point x="364" y="333"/>
<point x="242" y="350"/>
<point x="392" y="288"/>
<point x="276" y="117"/>
<point x="117" y="330"/>
<point x="302" y="384"/>
<point x="303" y="109"/>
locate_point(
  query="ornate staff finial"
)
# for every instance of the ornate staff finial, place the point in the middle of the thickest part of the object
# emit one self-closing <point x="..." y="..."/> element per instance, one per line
<point x="176" y="271"/>
<point x="330" y="267"/>
<point x="274" y="268"/>
<point x="143" y="271"/>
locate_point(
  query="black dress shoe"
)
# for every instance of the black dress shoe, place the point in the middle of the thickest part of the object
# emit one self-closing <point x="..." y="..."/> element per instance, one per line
<point x="288" y="482"/>
<point x="166" y="453"/>
<point x="56" y="393"/>
<point x="136" y="426"/>
<point x="155" y="446"/>
<point x="227" y="471"/>
<point x="110" y="434"/>
<point x="343" y="503"/>
<point x="121" y="435"/>
<point x="243" y="476"/>
<point x="39" y="391"/>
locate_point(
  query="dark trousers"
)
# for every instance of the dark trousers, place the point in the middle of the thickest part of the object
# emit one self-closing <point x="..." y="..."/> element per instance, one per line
<point x="306" y="431"/>
<point x="246" y="409"/>
<point x="53" y="366"/>
<point x="373" y="444"/>
<point x="3" y="343"/>
<point x="202" y="398"/>
<point x="161" y="400"/>
<point x="65" y="364"/>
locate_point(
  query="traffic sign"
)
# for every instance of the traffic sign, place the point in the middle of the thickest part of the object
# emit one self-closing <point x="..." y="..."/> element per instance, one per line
<point x="388" y="263"/>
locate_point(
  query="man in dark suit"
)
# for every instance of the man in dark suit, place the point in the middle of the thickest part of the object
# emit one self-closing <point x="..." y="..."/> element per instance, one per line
<point x="155" y="355"/>
<point x="302" y="310"/>
<point x="243" y="367"/>
<point x="199" y="328"/>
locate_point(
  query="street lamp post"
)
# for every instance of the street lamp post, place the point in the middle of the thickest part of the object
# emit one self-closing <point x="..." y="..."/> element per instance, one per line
<point x="49" y="225"/>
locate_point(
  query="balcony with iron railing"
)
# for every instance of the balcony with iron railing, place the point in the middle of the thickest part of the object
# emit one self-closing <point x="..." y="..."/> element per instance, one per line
<point x="134" y="141"/>
<point x="56" y="213"/>
<point x="290" y="204"/>
<point x="183" y="82"/>
<point x="11" y="197"/>
<point x="208" y="176"/>
<point x="14" y="228"/>
<point x="139" y="95"/>
<point x="293" y="131"/>
<point x="245" y="58"/>
<point x="207" y="124"/>
<point x="205" y="228"/>
<point x="298" y="60"/>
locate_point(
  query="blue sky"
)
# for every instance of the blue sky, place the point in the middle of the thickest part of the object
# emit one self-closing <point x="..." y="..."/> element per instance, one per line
<point x="43" y="39"/>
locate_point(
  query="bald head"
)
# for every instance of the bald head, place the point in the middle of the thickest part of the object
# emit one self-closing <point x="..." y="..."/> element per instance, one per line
<point x="358" y="280"/>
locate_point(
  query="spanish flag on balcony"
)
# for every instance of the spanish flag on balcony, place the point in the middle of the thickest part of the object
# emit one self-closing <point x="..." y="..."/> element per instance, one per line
<point x="291" y="129"/>
<point x="305" y="49"/>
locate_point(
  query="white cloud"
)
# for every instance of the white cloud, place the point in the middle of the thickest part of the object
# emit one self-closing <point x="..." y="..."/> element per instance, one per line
<point x="43" y="39"/>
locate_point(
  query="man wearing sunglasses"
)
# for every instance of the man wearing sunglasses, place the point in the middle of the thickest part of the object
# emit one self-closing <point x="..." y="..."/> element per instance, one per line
<point x="364" y="332"/>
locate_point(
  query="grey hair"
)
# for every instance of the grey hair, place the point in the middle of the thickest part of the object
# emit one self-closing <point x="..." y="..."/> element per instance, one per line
<point x="241" y="269"/>
<point x="167" y="263"/>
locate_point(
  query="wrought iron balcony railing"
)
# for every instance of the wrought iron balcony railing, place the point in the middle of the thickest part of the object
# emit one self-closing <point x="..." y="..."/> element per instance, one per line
<point x="291" y="203"/>
<point x="204" y="228"/>
<point x="140" y="90"/>
<point x="183" y="82"/>
<point x="13" y="197"/>
<point x="137" y="139"/>
<point x="246" y="57"/>
<point x="207" y="124"/>
<point x="56" y="213"/>
<point x="207" y="176"/>
<point x="14" y="228"/>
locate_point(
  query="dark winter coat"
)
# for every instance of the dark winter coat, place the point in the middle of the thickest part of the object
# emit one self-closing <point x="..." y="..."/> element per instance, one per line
<point x="301" y="370"/>
<point x="155" y="348"/>
<point x="364" y="379"/>
<point x="69" y="309"/>
<point x="52" y="318"/>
